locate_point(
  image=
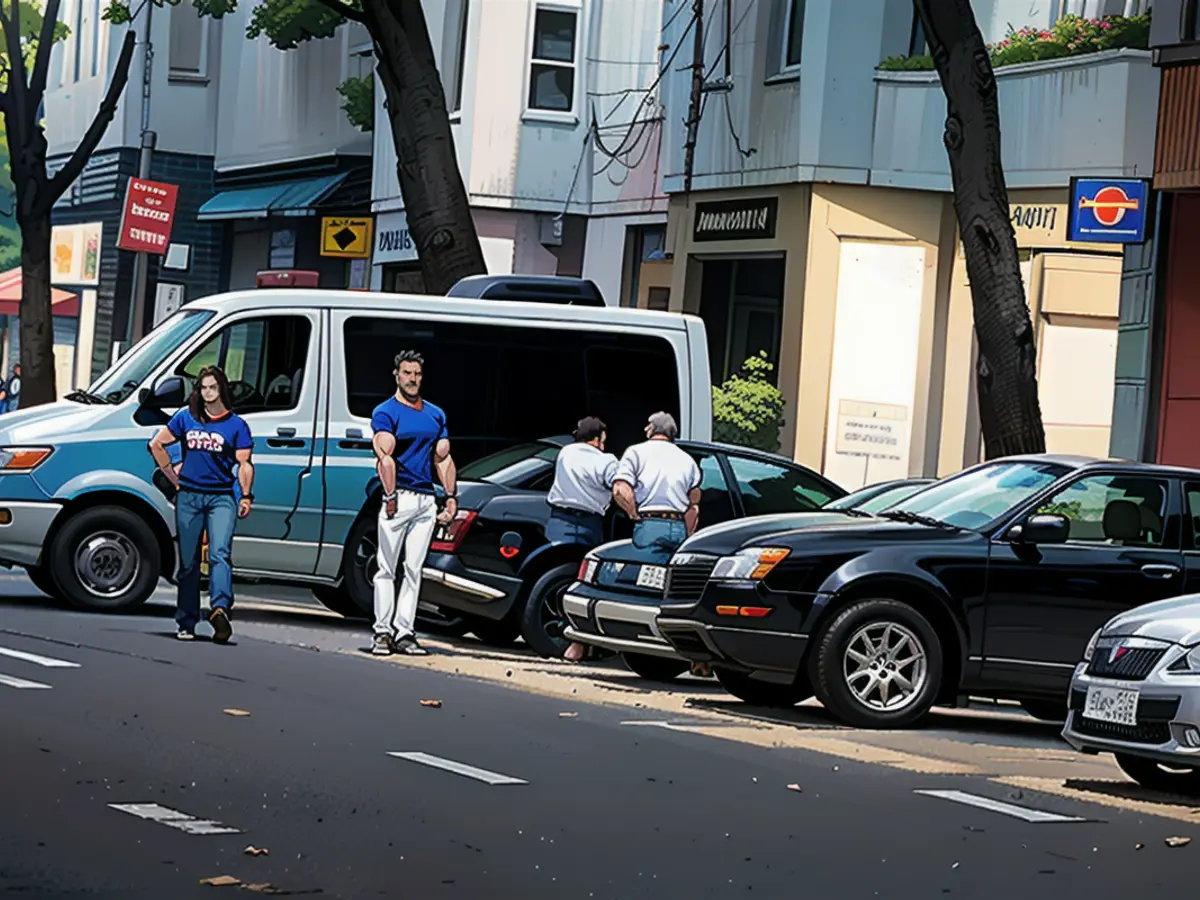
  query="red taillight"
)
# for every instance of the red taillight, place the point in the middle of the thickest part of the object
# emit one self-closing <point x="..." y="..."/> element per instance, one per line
<point x="448" y="541"/>
<point x="582" y="574"/>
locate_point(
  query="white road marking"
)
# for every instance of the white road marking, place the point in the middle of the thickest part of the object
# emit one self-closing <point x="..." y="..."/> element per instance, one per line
<point x="44" y="661"/>
<point x="173" y="818"/>
<point x="1007" y="809"/>
<point x="654" y="723"/>
<point x="457" y="768"/>
<point x="9" y="681"/>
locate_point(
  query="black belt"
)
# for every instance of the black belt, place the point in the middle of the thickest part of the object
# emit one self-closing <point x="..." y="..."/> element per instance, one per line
<point x="673" y="516"/>
<point x="579" y="513"/>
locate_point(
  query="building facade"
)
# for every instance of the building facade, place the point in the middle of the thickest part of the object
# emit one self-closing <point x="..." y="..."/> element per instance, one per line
<point x="557" y="125"/>
<point x="820" y="227"/>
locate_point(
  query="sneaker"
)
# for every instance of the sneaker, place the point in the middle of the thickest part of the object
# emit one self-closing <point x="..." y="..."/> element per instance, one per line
<point x="185" y="634"/>
<point x="222" y="630"/>
<point x="381" y="645"/>
<point x="408" y="646"/>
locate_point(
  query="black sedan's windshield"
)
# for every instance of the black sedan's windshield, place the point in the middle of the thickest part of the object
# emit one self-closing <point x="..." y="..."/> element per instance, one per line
<point x="976" y="499"/>
<point x="514" y="467"/>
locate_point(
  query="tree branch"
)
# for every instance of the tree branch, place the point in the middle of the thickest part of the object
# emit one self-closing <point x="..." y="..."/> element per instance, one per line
<point x="91" y="139"/>
<point x="41" y="62"/>
<point x="344" y="9"/>
<point x="16" y="60"/>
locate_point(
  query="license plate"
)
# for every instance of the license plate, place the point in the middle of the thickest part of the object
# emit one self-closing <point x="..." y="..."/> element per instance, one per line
<point x="653" y="577"/>
<point x="1115" y="705"/>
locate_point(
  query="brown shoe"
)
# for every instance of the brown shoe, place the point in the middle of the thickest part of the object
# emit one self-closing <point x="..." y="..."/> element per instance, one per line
<point x="222" y="630"/>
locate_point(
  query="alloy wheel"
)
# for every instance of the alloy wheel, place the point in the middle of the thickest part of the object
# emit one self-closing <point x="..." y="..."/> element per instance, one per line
<point x="885" y="666"/>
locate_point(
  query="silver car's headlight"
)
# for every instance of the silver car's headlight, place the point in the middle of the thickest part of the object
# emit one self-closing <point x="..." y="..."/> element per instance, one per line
<point x="753" y="564"/>
<point x="1188" y="664"/>
<point x="1090" y="650"/>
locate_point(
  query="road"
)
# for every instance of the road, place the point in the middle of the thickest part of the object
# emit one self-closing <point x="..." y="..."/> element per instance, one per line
<point x="133" y="765"/>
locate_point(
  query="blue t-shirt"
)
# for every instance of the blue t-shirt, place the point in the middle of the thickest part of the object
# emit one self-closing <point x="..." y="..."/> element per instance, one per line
<point x="417" y="432"/>
<point x="209" y="450"/>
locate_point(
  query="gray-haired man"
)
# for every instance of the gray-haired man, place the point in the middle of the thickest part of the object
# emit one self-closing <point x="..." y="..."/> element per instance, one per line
<point x="658" y="486"/>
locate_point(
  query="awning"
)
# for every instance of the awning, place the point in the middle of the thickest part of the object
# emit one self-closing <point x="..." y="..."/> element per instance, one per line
<point x="64" y="303"/>
<point x="284" y="198"/>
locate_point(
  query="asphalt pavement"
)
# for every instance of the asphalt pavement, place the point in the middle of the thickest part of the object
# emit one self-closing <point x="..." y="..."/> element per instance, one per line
<point x="133" y="765"/>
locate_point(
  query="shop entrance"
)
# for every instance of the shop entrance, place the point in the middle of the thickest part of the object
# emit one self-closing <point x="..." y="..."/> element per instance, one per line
<point x="741" y="303"/>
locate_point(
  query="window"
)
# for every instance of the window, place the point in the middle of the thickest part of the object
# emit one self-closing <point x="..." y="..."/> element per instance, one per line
<point x="793" y="34"/>
<point x="283" y="249"/>
<point x="917" y="44"/>
<point x="456" y="55"/>
<point x="263" y="358"/>
<point x="552" y="67"/>
<point x="188" y="45"/>
<point x="1193" y="501"/>
<point x="768" y="488"/>
<point x="502" y="385"/>
<point x="642" y="243"/>
<point x="1113" y="509"/>
<point x="658" y="298"/>
<point x="134" y="367"/>
<point x="715" y="503"/>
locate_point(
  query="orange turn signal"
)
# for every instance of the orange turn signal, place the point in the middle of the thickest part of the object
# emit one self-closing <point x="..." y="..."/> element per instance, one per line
<point x="767" y="560"/>
<point x="755" y="612"/>
<point x="727" y="610"/>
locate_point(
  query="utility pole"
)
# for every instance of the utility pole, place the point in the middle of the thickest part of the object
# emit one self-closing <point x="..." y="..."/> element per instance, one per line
<point x="141" y="261"/>
<point x="693" y="119"/>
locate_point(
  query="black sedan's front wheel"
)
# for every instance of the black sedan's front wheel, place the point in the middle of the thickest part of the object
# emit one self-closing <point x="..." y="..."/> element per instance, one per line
<point x="543" y="621"/>
<point x="878" y="665"/>
<point x="1159" y="777"/>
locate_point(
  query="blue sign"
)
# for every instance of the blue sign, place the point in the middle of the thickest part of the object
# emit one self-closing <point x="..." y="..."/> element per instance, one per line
<point x="1109" y="210"/>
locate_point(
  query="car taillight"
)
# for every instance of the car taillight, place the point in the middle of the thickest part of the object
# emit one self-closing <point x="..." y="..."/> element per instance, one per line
<point x="449" y="537"/>
<point x="587" y="571"/>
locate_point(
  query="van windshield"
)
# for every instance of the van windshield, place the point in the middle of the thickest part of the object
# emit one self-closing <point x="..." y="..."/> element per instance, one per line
<point x="139" y="363"/>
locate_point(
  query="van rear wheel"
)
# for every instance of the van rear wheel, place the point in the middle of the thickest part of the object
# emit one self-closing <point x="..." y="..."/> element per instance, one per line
<point x="105" y="559"/>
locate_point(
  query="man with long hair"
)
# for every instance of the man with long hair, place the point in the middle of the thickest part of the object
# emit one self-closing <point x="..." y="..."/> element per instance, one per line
<point x="214" y="440"/>
<point x="411" y="443"/>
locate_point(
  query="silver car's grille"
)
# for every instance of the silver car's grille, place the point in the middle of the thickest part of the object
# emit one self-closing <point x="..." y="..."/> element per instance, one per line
<point x="1134" y="664"/>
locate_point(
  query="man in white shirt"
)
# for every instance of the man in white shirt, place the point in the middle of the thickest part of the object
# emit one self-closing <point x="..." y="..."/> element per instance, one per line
<point x="658" y="486"/>
<point x="582" y="489"/>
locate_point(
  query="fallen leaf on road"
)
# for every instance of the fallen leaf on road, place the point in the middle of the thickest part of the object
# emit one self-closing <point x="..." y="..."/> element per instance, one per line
<point x="1139" y="846"/>
<point x="256" y="851"/>
<point x="434" y="703"/>
<point x="235" y="712"/>
<point x="221" y="881"/>
<point x="567" y="715"/>
<point x="796" y="788"/>
<point x="1178" y="841"/>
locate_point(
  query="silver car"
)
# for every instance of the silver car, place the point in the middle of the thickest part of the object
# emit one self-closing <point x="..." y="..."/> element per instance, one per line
<point x="1136" y="694"/>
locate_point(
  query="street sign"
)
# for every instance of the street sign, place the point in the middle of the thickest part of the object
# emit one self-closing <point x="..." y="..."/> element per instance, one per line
<point x="148" y="216"/>
<point x="1109" y="210"/>
<point x="347" y="238"/>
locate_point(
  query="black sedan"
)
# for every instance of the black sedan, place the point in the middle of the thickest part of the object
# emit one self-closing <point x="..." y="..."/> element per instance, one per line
<point x="614" y="603"/>
<point x="988" y="583"/>
<point x="493" y="567"/>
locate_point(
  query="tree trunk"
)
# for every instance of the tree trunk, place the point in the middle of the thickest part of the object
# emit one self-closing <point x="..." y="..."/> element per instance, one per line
<point x="36" y="322"/>
<point x="1006" y="377"/>
<point x="435" y="198"/>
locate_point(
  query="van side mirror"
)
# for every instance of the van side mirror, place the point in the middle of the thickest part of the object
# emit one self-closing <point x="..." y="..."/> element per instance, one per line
<point x="1042" y="528"/>
<point x="169" y="393"/>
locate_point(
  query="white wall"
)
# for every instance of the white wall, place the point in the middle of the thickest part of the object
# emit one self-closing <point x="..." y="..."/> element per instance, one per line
<point x="876" y="335"/>
<point x="182" y="112"/>
<point x="284" y="105"/>
<point x="604" y="251"/>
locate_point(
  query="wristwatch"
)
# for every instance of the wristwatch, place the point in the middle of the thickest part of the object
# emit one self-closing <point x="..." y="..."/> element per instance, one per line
<point x="249" y="497"/>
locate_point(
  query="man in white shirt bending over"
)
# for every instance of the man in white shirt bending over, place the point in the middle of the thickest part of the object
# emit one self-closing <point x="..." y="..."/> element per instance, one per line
<point x="658" y="486"/>
<point x="582" y="489"/>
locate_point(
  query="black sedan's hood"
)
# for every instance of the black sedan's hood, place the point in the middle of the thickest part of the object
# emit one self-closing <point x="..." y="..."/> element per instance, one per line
<point x="788" y="530"/>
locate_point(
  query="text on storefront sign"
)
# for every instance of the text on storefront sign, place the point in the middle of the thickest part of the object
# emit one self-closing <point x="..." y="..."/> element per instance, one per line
<point x="736" y="220"/>
<point x="147" y="216"/>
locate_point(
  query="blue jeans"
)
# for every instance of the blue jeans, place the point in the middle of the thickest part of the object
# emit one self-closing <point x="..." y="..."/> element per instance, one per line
<point x="196" y="513"/>
<point x="569" y="527"/>
<point x="655" y="540"/>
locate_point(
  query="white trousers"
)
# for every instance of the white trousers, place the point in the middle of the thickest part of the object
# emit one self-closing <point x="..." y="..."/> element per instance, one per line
<point x="411" y="530"/>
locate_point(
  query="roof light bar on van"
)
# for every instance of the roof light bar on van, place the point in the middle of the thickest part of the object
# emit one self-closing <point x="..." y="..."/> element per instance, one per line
<point x="530" y="289"/>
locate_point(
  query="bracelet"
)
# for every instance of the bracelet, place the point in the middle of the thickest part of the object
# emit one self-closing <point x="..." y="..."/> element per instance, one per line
<point x="249" y="497"/>
<point x="387" y="497"/>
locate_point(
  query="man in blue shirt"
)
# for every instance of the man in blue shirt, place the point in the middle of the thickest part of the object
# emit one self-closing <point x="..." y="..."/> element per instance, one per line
<point x="411" y="443"/>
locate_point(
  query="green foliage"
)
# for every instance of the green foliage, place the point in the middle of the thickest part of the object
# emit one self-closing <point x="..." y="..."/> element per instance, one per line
<point x="1069" y="509"/>
<point x="747" y="408"/>
<point x="358" y="102"/>
<point x="1070" y="36"/>
<point x="289" y="23"/>
<point x="118" y="12"/>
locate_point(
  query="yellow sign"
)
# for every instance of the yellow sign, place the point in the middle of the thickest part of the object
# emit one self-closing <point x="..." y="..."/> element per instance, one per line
<point x="348" y="238"/>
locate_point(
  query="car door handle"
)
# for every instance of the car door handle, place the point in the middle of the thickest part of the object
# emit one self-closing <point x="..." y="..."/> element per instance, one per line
<point x="353" y="432"/>
<point x="355" y="445"/>
<point x="1159" y="570"/>
<point x="285" y="431"/>
<point x="284" y="442"/>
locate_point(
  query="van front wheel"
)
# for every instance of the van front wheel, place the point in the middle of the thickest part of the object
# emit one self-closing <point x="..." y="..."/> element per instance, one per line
<point x="105" y="559"/>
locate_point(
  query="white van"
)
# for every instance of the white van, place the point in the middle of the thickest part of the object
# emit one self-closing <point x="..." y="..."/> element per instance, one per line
<point x="307" y="367"/>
